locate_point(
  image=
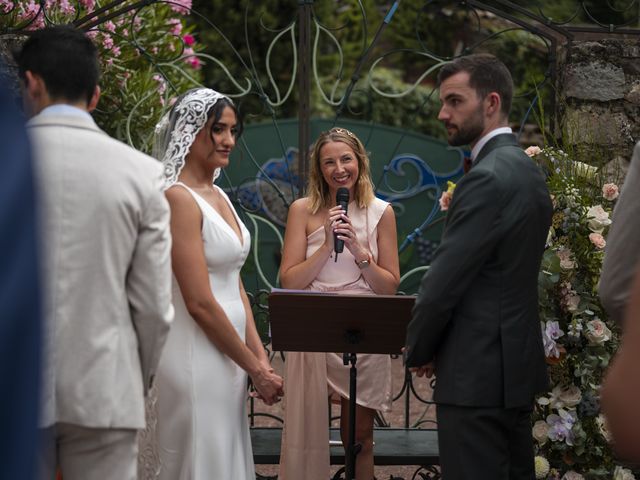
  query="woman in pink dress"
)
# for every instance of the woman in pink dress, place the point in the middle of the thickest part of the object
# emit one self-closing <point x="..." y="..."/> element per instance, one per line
<point x="368" y="265"/>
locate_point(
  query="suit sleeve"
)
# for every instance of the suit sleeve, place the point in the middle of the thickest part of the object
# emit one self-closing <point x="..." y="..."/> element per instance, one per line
<point x="470" y="236"/>
<point x="149" y="282"/>
<point x="621" y="253"/>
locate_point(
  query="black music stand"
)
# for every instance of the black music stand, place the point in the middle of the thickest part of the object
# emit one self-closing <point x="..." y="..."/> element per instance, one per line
<point x="347" y="324"/>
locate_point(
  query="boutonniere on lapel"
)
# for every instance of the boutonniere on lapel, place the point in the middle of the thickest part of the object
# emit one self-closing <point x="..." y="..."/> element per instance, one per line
<point x="447" y="195"/>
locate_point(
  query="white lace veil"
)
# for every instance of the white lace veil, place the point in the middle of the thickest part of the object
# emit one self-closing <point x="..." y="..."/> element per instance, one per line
<point x="177" y="129"/>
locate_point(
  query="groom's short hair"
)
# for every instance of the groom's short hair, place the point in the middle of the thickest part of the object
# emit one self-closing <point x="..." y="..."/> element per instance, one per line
<point x="65" y="58"/>
<point x="486" y="74"/>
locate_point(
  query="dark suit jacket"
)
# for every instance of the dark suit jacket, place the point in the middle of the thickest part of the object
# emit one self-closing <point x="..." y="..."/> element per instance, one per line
<point x="477" y="308"/>
<point x="20" y="314"/>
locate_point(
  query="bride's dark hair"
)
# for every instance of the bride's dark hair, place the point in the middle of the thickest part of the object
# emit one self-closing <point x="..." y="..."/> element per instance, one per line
<point x="216" y="112"/>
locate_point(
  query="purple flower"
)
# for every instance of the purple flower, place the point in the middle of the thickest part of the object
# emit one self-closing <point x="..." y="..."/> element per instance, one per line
<point x="550" y="333"/>
<point x="561" y="425"/>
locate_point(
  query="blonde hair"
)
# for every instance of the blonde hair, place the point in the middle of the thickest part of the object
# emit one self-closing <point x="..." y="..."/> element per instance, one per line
<point x="318" y="190"/>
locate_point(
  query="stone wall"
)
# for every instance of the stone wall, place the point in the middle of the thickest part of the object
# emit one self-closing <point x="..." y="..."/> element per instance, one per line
<point x="599" y="101"/>
<point x="8" y="69"/>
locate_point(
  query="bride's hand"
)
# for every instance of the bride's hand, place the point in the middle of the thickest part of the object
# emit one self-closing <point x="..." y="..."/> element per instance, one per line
<point x="268" y="385"/>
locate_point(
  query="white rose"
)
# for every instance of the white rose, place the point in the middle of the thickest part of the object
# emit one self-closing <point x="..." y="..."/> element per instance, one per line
<point x="540" y="430"/>
<point x="623" y="474"/>
<point x="573" y="301"/>
<point x="601" y="421"/>
<point x="597" y="332"/>
<point x="572" y="475"/>
<point x="598" y="219"/>
<point x="571" y="396"/>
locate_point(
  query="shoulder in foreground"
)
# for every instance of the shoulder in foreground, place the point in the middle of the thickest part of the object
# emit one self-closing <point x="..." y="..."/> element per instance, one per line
<point x="300" y="205"/>
<point x="179" y="196"/>
<point x="379" y="202"/>
<point x="137" y="156"/>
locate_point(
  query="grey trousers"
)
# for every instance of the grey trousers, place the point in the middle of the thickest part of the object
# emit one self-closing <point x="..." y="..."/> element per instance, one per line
<point x="84" y="453"/>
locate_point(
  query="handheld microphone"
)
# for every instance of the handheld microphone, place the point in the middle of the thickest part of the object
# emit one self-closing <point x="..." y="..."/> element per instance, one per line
<point x="342" y="199"/>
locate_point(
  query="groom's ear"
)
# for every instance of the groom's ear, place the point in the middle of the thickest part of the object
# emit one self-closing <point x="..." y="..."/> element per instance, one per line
<point x="93" y="102"/>
<point x="493" y="104"/>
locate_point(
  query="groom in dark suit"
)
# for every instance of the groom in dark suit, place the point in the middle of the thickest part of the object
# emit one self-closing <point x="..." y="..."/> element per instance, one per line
<point x="475" y="322"/>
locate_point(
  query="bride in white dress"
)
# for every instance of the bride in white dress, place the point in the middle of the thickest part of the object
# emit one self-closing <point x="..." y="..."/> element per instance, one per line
<point x="198" y="420"/>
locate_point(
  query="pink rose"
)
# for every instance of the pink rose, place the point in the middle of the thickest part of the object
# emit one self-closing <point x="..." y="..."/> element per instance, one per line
<point x="445" y="200"/>
<point x="598" y="240"/>
<point x="566" y="258"/>
<point x="597" y="332"/>
<point x="610" y="191"/>
<point x="533" y="150"/>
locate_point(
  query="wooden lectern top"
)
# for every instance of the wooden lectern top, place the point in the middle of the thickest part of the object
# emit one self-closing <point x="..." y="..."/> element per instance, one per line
<point x="329" y="322"/>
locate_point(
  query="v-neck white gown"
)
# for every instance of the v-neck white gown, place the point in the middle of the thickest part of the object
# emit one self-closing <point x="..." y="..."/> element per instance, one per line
<point x="202" y="425"/>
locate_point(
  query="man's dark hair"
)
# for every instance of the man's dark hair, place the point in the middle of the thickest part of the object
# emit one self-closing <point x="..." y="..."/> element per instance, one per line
<point x="65" y="58"/>
<point x="486" y="74"/>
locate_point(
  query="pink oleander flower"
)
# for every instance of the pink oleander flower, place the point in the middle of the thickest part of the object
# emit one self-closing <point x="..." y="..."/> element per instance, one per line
<point x="598" y="240"/>
<point x="176" y="26"/>
<point x="610" y="191"/>
<point x="533" y="150"/>
<point x="191" y="58"/>
<point x="6" y="6"/>
<point x="183" y="7"/>
<point x="64" y="6"/>
<point x="29" y="11"/>
<point x="195" y="62"/>
<point x="162" y="84"/>
<point x="189" y="39"/>
<point x="107" y="42"/>
<point x="109" y="26"/>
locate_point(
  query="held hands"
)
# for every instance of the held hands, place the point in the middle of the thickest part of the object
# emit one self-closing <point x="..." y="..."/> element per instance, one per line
<point x="427" y="370"/>
<point x="269" y="386"/>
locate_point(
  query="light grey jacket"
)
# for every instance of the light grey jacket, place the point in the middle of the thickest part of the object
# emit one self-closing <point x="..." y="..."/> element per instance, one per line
<point x="106" y="243"/>
<point x="622" y="252"/>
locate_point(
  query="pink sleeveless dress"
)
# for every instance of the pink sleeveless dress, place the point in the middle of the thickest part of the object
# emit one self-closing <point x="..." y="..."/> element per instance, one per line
<point x="310" y="378"/>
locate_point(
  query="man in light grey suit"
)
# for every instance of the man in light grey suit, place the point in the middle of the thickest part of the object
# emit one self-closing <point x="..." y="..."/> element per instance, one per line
<point x="622" y="255"/>
<point x="106" y="244"/>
